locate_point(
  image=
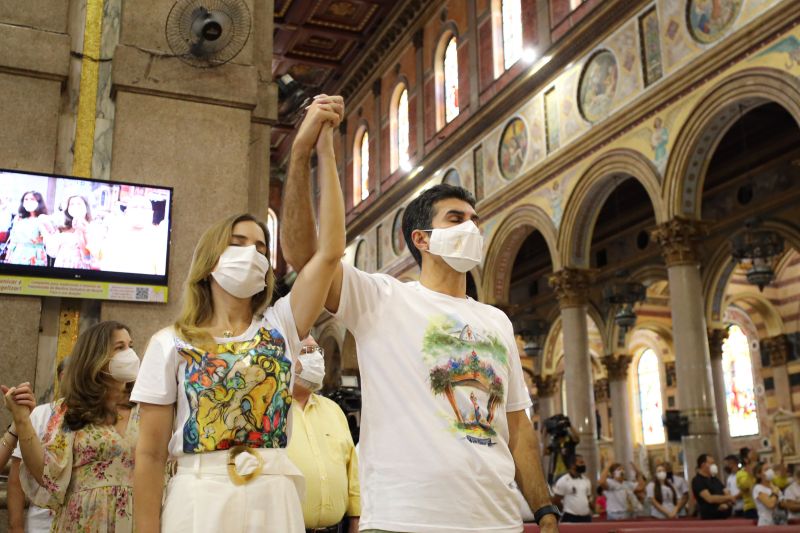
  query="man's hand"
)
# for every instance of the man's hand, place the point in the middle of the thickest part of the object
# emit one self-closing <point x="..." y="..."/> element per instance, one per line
<point x="548" y="524"/>
<point x="323" y="109"/>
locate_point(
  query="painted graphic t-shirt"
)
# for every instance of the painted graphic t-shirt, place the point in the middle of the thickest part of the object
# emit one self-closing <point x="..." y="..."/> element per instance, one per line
<point x="239" y="395"/>
<point x="438" y="376"/>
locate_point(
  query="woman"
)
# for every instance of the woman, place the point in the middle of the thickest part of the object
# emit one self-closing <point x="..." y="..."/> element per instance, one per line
<point x="83" y="467"/>
<point x="215" y="387"/>
<point x="26" y="240"/>
<point x="766" y="495"/>
<point x="620" y="497"/>
<point x="662" y="495"/>
<point x="69" y="245"/>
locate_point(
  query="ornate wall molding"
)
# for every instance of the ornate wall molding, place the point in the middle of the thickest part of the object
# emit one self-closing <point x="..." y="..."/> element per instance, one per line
<point x="678" y="238"/>
<point x="617" y="366"/>
<point x="715" y="339"/>
<point x="571" y="286"/>
<point x="776" y="349"/>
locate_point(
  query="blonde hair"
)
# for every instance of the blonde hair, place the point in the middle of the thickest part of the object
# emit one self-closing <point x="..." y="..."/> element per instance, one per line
<point x="84" y="386"/>
<point x="198" y="306"/>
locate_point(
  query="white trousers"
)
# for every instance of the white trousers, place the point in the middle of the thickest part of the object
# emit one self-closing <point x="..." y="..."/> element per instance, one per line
<point x="201" y="497"/>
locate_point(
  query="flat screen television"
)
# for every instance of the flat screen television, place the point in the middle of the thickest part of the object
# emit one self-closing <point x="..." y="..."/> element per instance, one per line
<point x="81" y="238"/>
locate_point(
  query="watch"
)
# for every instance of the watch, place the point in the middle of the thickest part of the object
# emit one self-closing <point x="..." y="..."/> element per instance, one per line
<point x="541" y="512"/>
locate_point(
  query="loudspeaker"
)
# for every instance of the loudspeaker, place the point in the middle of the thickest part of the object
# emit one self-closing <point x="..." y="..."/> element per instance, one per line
<point x="676" y="424"/>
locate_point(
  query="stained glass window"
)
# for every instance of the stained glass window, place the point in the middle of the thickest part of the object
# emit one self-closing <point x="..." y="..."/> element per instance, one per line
<point x="512" y="32"/>
<point x="737" y="366"/>
<point x="361" y="169"/>
<point x="272" y="228"/>
<point x="450" y="80"/>
<point x="651" y="407"/>
<point x="402" y="131"/>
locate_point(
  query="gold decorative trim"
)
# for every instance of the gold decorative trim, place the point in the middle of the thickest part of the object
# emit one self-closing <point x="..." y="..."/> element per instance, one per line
<point x="87" y="94"/>
<point x="68" y="328"/>
<point x="617" y="366"/>
<point x="677" y="239"/>
<point x="571" y="286"/>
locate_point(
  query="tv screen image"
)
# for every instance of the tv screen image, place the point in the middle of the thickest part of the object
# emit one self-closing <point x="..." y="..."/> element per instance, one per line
<point x="82" y="238"/>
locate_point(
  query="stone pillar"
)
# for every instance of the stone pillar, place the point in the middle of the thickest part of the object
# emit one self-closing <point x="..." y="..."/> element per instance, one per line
<point x="715" y="339"/>
<point x="571" y="287"/>
<point x="777" y="349"/>
<point x="547" y="393"/>
<point x="692" y="362"/>
<point x="617" y="368"/>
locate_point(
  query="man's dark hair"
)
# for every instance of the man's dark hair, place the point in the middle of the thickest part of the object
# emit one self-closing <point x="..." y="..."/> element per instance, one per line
<point x="420" y="212"/>
<point x="702" y="458"/>
<point x="572" y="459"/>
<point x="732" y="457"/>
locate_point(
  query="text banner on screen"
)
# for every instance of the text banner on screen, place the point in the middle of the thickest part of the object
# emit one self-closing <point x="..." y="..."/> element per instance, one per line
<point x="98" y="290"/>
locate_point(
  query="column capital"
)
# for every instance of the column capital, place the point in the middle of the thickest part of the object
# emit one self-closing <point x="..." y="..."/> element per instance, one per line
<point x="677" y="239"/>
<point x="601" y="390"/>
<point x="777" y="349"/>
<point x="571" y="286"/>
<point x="547" y="386"/>
<point x="376" y="87"/>
<point x="715" y="339"/>
<point x="617" y="366"/>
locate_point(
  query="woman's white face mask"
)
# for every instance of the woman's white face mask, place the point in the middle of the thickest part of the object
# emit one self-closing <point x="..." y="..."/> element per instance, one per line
<point x="460" y="246"/>
<point x="242" y="271"/>
<point x="124" y="366"/>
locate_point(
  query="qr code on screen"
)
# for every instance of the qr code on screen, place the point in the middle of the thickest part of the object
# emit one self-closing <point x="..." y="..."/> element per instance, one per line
<point x="142" y="293"/>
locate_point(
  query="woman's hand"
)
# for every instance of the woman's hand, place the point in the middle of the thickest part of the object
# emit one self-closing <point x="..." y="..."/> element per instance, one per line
<point x="19" y="400"/>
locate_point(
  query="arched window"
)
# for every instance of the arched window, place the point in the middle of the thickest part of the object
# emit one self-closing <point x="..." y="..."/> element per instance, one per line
<point x="651" y="407"/>
<point x="399" y="128"/>
<point x="740" y="398"/>
<point x="512" y="32"/>
<point x="361" y="167"/>
<point x="450" y="80"/>
<point x="272" y="228"/>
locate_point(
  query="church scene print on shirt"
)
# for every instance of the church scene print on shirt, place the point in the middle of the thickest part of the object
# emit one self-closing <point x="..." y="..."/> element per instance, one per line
<point x="465" y="371"/>
<point x="237" y="396"/>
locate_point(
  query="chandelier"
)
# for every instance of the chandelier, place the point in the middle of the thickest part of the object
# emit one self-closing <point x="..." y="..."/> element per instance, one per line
<point x="624" y="294"/>
<point x="757" y="249"/>
<point x="533" y="333"/>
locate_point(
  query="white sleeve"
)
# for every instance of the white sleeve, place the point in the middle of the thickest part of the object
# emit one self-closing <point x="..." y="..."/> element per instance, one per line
<point x="614" y="485"/>
<point x="361" y="297"/>
<point x="39" y="417"/>
<point x="157" y="381"/>
<point x="280" y="315"/>
<point x="518" y="396"/>
<point x="651" y="489"/>
<point x="559" y="489"/>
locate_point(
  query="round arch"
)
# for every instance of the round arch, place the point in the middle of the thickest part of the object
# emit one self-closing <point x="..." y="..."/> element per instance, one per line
<point x="505" y="244"/>
<point x="708" y="122"/>
<point x="593" y="189"/>
<point x="394" y="120"/>
<point x="449" y="31"/>
<point x="758" y="304"/>
<point x="717" y="273"/>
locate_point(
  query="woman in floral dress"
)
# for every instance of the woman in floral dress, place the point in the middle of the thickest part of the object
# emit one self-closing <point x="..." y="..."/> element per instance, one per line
<point x="31" y="225"/>
<point x="83" y="467"/>
<point x="71" y="245"/>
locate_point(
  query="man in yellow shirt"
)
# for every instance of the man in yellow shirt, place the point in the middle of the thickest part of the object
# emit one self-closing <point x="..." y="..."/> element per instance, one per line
<point x="322" y="448"/>
<point x="745" y="481"/>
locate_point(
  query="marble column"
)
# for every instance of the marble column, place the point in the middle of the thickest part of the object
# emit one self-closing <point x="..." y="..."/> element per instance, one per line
<point x="695" y="396"/>
<point x="571" y="287"/>
<point x="547" y="395"/>
<point x="617" y="369"/>
<point x="777" y="349"/>
<point x="715" y="339"/>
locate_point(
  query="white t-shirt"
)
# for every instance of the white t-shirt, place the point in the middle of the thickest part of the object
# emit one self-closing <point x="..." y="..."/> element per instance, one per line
<point x="439" y="374"/>
<point x="38" y="519"/>
<point x="792" y="492"/>
<point x="237" y="396"/>
<point x="666" y="499"/>
<point x="576" y="493"/>
<point x="618" y="495"/>
<point x="764" y="512"/>
<point x="733" y="488"/>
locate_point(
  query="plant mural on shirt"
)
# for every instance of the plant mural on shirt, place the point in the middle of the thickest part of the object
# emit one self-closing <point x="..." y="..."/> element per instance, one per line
<point x="465" y="375"/>
<point x="237" y="396"/>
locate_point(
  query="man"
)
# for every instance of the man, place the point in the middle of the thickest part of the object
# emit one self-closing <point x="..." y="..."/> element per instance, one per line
<point x="429" y="460"/>
<point x="791" y="496"/>
<point x="745" y="481"/>
<point x="37" y="519"/>
<point x="322" y="448"/>
<point x="681" y="489"/>
<point x="573" y="492"/>
<point x="713" y="499"/>
<point x="731" y="469"/>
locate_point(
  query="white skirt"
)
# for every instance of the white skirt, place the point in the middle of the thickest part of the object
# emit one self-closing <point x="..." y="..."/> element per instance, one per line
<point x="202" y="498"/>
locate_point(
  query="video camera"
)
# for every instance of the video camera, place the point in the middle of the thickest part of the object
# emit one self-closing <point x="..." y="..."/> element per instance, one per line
<point x="557" y="426"/>
<point x="349" y="399"/>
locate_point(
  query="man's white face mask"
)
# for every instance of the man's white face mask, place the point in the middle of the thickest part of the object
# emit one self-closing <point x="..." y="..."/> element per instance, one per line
<point x="241" y="271"/>
<point x="312" y="359"/>
<point x="460" y="246"/>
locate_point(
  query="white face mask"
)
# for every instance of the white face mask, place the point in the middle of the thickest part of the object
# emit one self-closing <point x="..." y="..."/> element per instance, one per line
<point x="661" y="475"/>
<point x="714" y="469"/>
<point x="124" y="366"/>
<point x="460" y="246"/>
<point x="313" y="363"/>
<point x="619" y="473"/>
<point x="242" y="271"/>
<point x="769" y="474"/>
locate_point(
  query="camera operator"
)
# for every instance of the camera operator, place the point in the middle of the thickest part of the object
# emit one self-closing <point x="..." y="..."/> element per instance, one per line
<point x="563" y="440"/>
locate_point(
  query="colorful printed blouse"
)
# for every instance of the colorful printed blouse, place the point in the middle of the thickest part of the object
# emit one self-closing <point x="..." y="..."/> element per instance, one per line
<point x="88" y="475"/>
